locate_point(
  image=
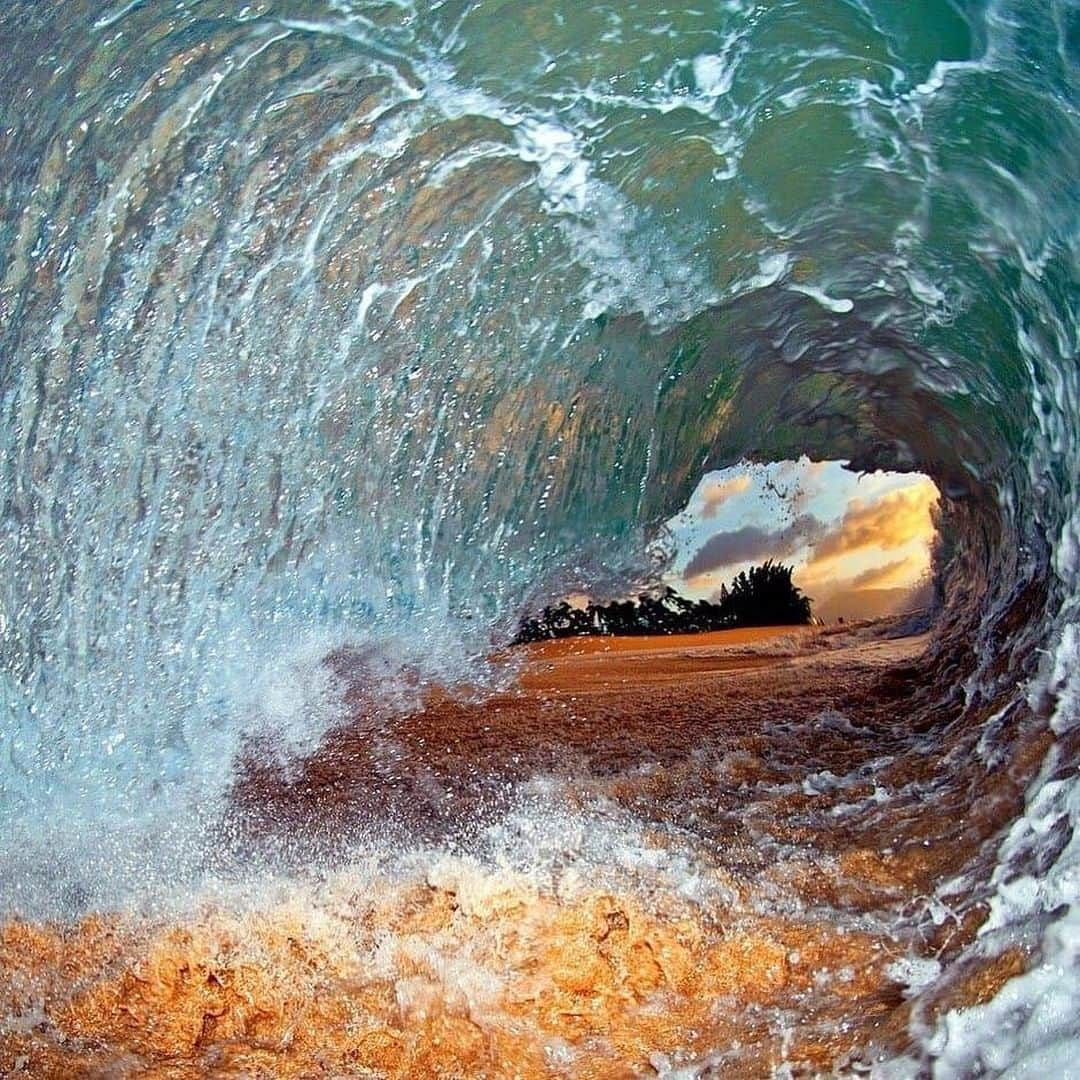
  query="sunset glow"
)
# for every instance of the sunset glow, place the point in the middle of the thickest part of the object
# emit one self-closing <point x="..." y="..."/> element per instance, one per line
<point x="860" y="545"/>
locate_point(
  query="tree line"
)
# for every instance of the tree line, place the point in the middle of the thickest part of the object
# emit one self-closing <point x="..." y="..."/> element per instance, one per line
<point x="761" y="596"/>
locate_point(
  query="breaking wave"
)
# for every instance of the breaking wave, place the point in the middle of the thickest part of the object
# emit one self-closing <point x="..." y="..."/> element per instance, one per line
<point x="347" y="329"/>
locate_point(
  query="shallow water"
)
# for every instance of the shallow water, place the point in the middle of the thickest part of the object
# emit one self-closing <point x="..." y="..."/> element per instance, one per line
<point x="348" y="329"/>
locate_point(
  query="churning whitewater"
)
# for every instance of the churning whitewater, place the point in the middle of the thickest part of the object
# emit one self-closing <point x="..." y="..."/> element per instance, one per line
<point x="336" y="336"/>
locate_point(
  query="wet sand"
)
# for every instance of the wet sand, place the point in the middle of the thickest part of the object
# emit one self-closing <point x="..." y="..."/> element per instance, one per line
<point x="757" y="831"/>
<point x="593" y="707"/>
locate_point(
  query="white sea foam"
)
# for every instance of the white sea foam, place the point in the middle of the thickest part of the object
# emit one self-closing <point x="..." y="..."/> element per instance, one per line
<point x="837" y="305"/>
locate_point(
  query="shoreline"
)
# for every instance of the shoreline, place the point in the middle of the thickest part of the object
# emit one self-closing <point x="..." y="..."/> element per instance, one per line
<point x="600" y="705"/>
<point x="706" y="827"/>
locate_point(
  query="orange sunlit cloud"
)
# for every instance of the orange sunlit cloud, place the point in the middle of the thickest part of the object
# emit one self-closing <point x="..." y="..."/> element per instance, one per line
<point x="857" y="556"/>
<point x="891" y="575"/>
<point x="895" y="519"/>
<point x="899" y="518"/>
<point x="718" y="492"/>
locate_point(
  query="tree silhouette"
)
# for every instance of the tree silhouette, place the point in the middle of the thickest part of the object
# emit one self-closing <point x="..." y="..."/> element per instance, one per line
<point x="762" y="596"/>
<point x="765" y="596"/>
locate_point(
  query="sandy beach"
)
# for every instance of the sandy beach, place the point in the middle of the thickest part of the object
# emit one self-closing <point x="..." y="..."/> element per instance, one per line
<point x="764" y="851"/>
<point x="597" y="706"/>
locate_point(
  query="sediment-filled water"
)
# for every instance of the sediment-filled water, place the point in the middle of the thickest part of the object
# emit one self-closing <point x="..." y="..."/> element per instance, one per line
<point x="347" y="330"/>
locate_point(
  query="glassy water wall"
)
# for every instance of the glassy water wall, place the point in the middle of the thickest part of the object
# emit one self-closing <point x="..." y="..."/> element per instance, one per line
<point x="332" y="323"/>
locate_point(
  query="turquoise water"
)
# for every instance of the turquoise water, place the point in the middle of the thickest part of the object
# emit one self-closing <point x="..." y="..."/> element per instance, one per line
<point x="342" y="321"/>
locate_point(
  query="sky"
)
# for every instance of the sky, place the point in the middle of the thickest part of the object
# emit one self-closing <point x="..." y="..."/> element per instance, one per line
<point x="859" y="543"/>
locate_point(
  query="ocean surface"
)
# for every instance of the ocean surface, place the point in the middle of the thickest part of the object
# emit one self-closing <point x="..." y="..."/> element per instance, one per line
<point x="332" y="325"/>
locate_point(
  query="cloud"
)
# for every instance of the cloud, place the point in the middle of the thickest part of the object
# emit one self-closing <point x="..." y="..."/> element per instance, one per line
<point x="892" y="528"/>
<point x="753" y="544"/>
<point x="895" y="519"/>
<point x="891" y="575"/>
<point x="716" y="493"/>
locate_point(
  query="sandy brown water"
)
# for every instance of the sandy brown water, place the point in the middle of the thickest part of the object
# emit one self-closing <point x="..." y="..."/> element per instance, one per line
<point x="783" y="767"/>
